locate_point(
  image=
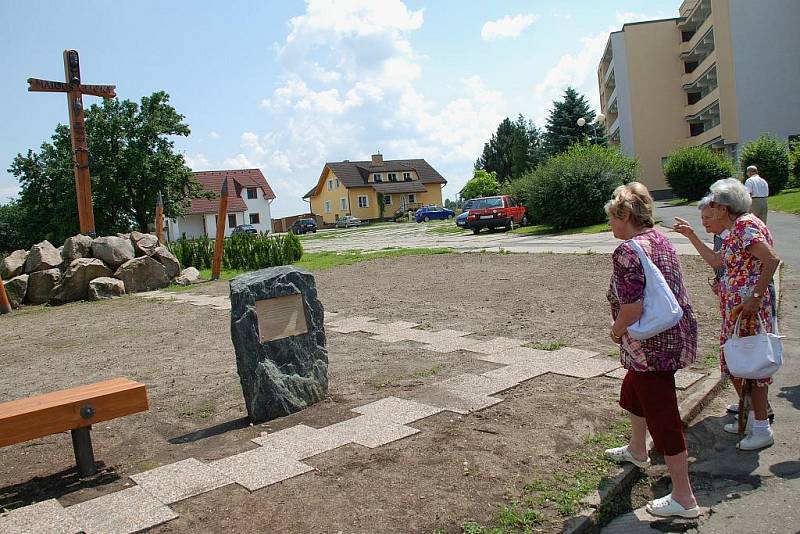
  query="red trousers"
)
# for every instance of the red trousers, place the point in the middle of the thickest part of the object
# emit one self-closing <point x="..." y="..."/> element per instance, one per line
<point x="652" y="395"/>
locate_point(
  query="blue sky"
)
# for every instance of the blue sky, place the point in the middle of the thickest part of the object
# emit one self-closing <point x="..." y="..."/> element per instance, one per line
<point x="287" y="85"/>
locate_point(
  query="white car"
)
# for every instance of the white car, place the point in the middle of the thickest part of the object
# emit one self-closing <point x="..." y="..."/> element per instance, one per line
<point x="347" y="221"/>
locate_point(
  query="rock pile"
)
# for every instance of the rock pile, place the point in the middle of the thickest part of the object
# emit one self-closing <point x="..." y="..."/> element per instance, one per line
<point x="86" y="268"/>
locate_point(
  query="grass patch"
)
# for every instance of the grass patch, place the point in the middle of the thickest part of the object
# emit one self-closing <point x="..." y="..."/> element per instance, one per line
<point x="422" y="373"/>
<point x="446" y="229"/>
<point x="556" y="496"/>
<point x="428" y="372"/>
<point x="547" y="345"/>
<point x="787" y="201"/>
<point x="711" y="359"/>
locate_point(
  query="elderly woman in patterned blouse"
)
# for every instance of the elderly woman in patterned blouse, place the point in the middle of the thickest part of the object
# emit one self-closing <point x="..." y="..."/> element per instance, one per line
<point x="648" y="389"/>
<point x="749" y="262"/>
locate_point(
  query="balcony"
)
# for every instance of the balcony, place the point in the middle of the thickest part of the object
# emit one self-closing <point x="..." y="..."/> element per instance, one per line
<point x="707" y="137"/>
<point x="705" y="102"/>
<point x="614" y="128"/>
<point x="702" y="42"/>
<point x="609" y="72"/>
<point x="700" y="25"/>
<point x="703" y="69"/>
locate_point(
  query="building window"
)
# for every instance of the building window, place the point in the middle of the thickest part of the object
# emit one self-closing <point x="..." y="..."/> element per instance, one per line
<point x="696" y="129"/>
<point x="412" y="198"/>
<point x="255" y="218"/>
<point x="377" y="178"/>
<point x="337" y="183"/>
<point x="343" y="204"/>
<point x="231" y="220"/>
<point x="387" y="199"/>
<point x="363" y="201"/>
<point x="251" y="193"/>
<point x="406" y="176"/>
<point x="327" y="206"/>
<point x="330" y="185"/>
<point x="392" y="176"/>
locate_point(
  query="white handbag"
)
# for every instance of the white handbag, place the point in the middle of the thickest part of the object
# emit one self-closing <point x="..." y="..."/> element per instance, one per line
<point x="757" y="356"/>
<point x="661" y="310"/>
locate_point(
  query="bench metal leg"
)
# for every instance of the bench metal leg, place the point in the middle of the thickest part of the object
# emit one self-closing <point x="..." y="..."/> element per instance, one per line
<point x="84" y="455"/>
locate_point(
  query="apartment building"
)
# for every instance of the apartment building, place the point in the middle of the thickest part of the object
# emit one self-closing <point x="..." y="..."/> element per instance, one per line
<point x="719" y="75"/>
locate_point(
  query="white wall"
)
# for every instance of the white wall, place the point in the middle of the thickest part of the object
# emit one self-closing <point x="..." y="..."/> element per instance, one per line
<point x="258" y="205"/>
<point x="191" y="225"/>
<point x="211" y="224"/>
<point x="625" y="118"/>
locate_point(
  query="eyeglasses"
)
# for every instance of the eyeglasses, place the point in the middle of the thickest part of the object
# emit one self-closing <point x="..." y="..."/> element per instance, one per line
<point x="712" y="281"/>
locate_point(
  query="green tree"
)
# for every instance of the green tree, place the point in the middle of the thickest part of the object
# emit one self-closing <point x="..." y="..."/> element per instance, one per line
<point x="690" y="171"/>
<point x="513" y="150"/>
<point x="771" y="156"/>
<point x="482" y="184"/>
<point x="794" y="157"/>
<point x="562" y="129"/>
<point x="11" y="237"/>
<point x="381" y="205"/>
<point x="132" y="159"/>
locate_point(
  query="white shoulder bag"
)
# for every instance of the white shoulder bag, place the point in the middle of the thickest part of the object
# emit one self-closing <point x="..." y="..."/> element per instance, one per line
<point x="661" y="310"/>
<point x="757" y="356"/>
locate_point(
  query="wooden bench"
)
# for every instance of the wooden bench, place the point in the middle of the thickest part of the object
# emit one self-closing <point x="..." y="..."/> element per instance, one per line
<point x="75" y="409"/>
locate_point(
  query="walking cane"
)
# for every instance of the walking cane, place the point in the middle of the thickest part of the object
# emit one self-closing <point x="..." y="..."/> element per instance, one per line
<point x="744" y="405"/>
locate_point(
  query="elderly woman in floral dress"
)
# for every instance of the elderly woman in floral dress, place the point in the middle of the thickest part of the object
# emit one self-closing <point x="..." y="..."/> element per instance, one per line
<point x="749" y="262"/>
<point x="648" y="389"/>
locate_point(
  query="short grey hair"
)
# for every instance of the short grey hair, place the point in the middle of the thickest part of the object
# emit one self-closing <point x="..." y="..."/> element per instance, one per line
<point x="728" y="192"/>
<point x="752" y="168"/>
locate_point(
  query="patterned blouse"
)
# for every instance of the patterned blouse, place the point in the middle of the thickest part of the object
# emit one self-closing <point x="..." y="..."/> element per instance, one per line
<point x="742" y="271"/>
<point x="672" y="349"/>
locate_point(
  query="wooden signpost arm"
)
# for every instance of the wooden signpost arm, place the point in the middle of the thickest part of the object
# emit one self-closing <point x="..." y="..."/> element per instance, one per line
<point x="5" y="305"/>
<point x="160" y="219"/>
<point x="219" y="242"/>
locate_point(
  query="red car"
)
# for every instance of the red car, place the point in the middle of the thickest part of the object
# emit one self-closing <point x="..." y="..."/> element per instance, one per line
<point x="496" y="212"/>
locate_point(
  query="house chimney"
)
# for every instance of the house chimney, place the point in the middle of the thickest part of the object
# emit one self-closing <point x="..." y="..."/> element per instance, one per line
<point x="377" y="159"/>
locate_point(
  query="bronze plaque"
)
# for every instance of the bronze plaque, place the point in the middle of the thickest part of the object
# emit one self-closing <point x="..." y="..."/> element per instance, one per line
<point x="281" y="317"/>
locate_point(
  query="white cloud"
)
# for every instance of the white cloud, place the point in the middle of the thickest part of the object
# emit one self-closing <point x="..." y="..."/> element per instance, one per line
<point x="240" y="161"/>
<point x="198" y="162"/>
<point x="213" y="135"/>
<point x="507" y="26"/>
<point x="7" y="192"/>
<point x="353" y="17"/>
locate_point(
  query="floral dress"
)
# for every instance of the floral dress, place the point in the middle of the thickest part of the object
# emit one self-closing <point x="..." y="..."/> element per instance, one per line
<point x="742" y="271"/>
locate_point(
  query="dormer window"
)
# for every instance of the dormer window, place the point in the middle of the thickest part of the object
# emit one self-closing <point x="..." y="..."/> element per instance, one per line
<point x="392" y="176"/>
<point x="252" y="193"/>
<point x="377" y="177"/>
<point x="406" y="176"/>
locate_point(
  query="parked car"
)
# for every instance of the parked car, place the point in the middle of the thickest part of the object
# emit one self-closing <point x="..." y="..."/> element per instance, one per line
<point x="347" y="221"/>
<point x="461" y="220"/>
<point x="302" y="226"/>
<point x="426" y="213"/>
<point x="496" y="212"/>
<point x="244" y="229"/>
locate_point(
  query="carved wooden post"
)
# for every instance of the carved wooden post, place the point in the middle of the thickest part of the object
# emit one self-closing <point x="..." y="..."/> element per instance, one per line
<point x="160" y="219"/>
<point x="5" y="305"/>
<point x="219" y="242"/>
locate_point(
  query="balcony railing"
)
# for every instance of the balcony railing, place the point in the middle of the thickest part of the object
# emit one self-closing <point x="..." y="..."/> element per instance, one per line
<point x="706" y="137"/>
<point x="689" y="45"/>
<point x="609" y="71"/>
<point x="702" y="104"/>
<point x="691" y="77"/>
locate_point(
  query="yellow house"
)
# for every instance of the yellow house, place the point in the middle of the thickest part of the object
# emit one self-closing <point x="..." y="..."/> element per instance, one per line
<point x="352" y="188"/>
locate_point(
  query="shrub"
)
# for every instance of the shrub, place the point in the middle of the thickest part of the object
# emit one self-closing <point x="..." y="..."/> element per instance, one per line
<point x="691" y="171"/>
<point x="241" y="251"/>
<point x="570" y="189"/>
<point x="482" y="184"/>
<point x="771" y="156"/>
<point x="794" y="159"/>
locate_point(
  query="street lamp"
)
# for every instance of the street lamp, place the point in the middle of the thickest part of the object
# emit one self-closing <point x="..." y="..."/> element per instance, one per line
<point x="581" y="122"/>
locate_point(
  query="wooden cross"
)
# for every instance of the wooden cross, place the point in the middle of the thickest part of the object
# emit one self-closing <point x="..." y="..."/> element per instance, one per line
<point x="80" y="149"/>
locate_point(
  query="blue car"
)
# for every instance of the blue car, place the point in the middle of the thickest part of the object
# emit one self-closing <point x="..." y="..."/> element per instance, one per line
<point x="427" y="213"/>
<point x="461" y="220"/>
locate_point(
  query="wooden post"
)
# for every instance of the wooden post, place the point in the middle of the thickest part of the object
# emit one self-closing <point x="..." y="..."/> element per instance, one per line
<point x="5" y="305"/>
<point x="219" y="241"/>
<point x="160" y="218"/>
<point x="80" y="148"/>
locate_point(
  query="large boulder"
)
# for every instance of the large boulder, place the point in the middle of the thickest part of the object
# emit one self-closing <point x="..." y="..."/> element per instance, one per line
<point x="105" y="288"/>
<point x="43" y="256"/>
<point x="13" y="264"/>
<point x="188" y="276"/>
<point x="142" y="274"/>
<point x="168" y="260"/>
<point x="77" y="246"/>
<point x="74" y="284"/>
<point x="16" y="289"/>
<point x="114" y="251"/>
<point x="144" y="244"/>
<point x="41" y="284"/>
<point x="279" y="339"/>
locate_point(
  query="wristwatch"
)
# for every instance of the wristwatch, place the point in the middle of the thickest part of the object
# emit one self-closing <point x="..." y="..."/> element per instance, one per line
<point x="757" y="295"/>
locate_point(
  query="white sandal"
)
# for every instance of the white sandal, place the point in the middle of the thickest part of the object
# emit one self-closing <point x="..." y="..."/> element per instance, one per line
<point x="668" y="507"/>
<point x="622" y="454"/>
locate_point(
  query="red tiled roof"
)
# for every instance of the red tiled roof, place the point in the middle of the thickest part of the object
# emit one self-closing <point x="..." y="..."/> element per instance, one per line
<point x="237" y="180"/>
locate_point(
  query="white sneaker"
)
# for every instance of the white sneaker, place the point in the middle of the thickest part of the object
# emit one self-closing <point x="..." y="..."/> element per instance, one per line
<point x="733" y="428"/>
<point x="754" y="441"/>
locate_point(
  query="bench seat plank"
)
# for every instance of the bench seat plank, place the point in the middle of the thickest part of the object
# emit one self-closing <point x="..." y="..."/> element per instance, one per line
<point x="35" y="417"/>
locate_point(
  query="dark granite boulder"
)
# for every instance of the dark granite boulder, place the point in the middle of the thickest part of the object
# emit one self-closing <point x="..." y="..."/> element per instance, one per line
<point x="280" y="355"/>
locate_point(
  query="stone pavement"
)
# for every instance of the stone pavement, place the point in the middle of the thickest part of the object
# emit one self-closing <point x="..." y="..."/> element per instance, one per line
<point x="282" y="455"/>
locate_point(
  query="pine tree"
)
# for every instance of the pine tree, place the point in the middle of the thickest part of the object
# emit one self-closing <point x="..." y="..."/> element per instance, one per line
<point x="513" y="150"/>
<point x="562" y="130"/>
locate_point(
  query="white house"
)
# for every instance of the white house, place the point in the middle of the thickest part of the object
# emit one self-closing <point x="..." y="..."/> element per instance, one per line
<point x="249" y="199"/>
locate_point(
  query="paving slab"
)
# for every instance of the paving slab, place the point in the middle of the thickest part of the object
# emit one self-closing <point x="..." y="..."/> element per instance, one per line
<point x="331" y="317"/>
<point x="568" y="354"/>
<point x="519" y="355"/>
<point x="371" y="431"/>
<point x="387" y="328"/>
<point x="180" y="480"/>
<point x="351" y="324"/>
<point x="498" y="344"/>
<point x="396" y="410"/>
<point x="585" y="368"/>
<point x="46" y="516"/>
<point x="480" y="385"/>
<point x="460" y="402"/>
<point x="123" y="512"/>
<point x="683" y="379"/>
<point x="518" y="373"/>
<point x="259" y="468"/>
<point x="451" y="345"/>
<point x="300" y="441"/>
